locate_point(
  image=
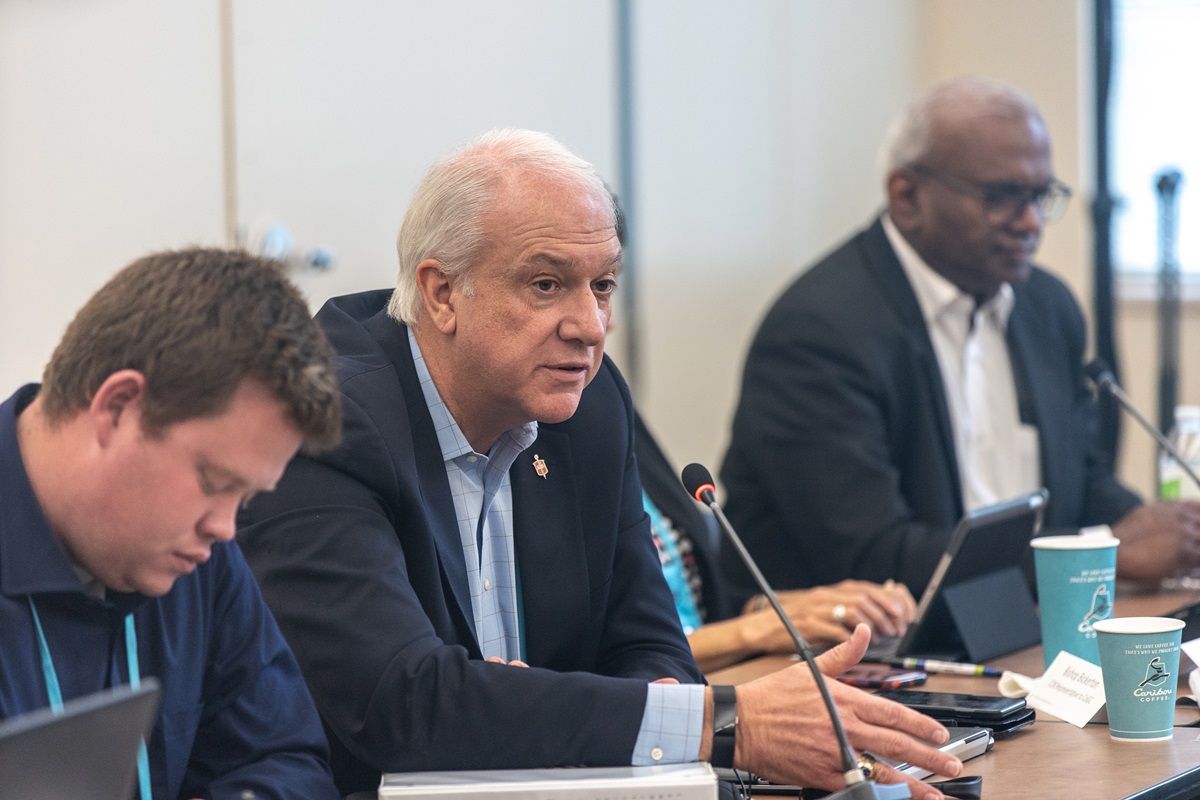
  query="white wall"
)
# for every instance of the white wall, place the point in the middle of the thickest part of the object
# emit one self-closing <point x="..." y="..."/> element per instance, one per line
<point x="758" y="128"/>
<point x="110" y="145"/>
<point x="757" y="125"/>
<point x="342" y="107"/>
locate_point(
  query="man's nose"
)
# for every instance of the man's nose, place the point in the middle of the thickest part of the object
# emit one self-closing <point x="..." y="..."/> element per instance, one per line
<point x="1031" y="218"/>
<point x="220" y="522"/>
<point x="586" y="320"/>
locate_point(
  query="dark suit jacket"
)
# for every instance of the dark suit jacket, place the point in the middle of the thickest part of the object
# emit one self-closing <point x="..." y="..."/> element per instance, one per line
<point x="842" y="461"/>
<point x="359" y="556"/>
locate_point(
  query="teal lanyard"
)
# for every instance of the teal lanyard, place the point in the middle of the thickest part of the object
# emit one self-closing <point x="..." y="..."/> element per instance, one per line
<point x="135" y="678"/>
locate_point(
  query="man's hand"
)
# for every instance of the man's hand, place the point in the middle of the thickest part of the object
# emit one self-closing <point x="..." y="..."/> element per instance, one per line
<point x="785" y="735"/>
<point x="499" y="660"/>
<point x="1158" y="540"/>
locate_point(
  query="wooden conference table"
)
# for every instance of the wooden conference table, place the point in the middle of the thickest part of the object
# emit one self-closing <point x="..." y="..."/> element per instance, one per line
<point x="1052" y="759"/>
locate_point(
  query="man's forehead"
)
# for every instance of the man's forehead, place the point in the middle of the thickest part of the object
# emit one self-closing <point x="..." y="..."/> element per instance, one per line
<point x="555" y="238"/>
<point x="249" y="441"/>
<point x="539" y="192"/>
<point x="561" y="261"/>
<point x="981" y="146"/>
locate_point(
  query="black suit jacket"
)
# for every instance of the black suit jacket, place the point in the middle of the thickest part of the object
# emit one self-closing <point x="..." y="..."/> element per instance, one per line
<point x="842" y="462"/>
<point x="358" y="554"/>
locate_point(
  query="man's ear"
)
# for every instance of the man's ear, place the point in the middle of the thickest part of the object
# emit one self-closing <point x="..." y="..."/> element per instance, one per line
<point x="904" y="202"/>
<point x="118" y="401"/>
<point x="437" y="292"/>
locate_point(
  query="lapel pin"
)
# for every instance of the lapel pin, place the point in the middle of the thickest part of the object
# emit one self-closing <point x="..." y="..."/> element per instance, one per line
<point x="539" y="466"/>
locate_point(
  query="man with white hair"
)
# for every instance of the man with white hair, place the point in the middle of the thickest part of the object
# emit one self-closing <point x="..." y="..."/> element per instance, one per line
<point x="470" y="581"/>
<point x="926" y="367"/>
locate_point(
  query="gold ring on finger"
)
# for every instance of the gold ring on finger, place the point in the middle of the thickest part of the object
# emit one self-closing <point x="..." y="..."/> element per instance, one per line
<point x="868" y="764"/>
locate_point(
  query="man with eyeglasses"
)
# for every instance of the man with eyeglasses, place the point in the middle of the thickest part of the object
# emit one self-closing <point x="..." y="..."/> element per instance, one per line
<point x="926" y="367"/>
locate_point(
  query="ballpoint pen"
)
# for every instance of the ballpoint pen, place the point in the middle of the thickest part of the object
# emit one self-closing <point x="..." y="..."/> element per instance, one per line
<point x="946" y="667"/>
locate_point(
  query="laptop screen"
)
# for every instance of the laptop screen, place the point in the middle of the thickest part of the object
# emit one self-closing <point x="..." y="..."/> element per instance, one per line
<point x="87" y="752"/>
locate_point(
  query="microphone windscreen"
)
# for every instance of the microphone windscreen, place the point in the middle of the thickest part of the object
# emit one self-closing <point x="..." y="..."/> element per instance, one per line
<point x="697" y="478"/>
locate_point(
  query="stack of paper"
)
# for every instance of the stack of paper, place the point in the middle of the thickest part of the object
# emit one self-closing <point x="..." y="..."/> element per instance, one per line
<point x="666" y="782"/>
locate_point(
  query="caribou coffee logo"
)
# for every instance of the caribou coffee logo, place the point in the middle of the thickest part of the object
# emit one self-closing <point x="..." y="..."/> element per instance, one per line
<point x="1101" y="608"/>
<point x="1156" y="676"/>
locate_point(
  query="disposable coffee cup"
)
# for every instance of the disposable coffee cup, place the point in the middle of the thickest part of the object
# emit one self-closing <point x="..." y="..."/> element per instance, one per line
<point x="1139" y="657"/>
<point x="1076" y="577"/>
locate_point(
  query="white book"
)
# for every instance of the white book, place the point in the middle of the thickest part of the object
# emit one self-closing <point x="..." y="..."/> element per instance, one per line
<point x="665" y="782"/>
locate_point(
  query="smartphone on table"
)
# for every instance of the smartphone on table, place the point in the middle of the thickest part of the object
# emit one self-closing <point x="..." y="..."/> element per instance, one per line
<point x="958" y="706"/>
<point x="872" y="676"/>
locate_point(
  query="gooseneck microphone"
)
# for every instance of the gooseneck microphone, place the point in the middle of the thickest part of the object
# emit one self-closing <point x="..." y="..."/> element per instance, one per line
<point x="1099" y="374"/>
<point x="699" y="484"/>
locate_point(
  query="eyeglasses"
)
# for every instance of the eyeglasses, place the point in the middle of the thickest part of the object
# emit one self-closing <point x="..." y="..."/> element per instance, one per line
<point x="1004" y="202"/>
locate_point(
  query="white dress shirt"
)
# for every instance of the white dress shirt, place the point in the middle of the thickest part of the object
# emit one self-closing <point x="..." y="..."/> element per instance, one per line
<point x="998" y="455"/>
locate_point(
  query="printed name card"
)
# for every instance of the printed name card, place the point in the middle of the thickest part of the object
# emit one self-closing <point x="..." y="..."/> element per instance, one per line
<point x="1072" y="689"/>
<point x="1192" y="650"/>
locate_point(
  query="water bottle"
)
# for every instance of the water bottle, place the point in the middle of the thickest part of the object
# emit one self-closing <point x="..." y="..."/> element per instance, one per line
<point x="1173" y="482"/>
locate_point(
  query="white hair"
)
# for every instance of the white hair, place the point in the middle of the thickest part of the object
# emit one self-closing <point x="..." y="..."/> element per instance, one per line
<point x="444" y="220"/>
<point x="910" y="135"/>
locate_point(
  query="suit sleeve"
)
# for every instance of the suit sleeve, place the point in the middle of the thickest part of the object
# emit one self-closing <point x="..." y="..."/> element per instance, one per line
<point x="814" y="476"/>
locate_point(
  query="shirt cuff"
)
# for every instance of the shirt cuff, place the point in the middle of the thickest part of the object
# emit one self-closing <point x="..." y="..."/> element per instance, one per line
<point x="672" y="725"/>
